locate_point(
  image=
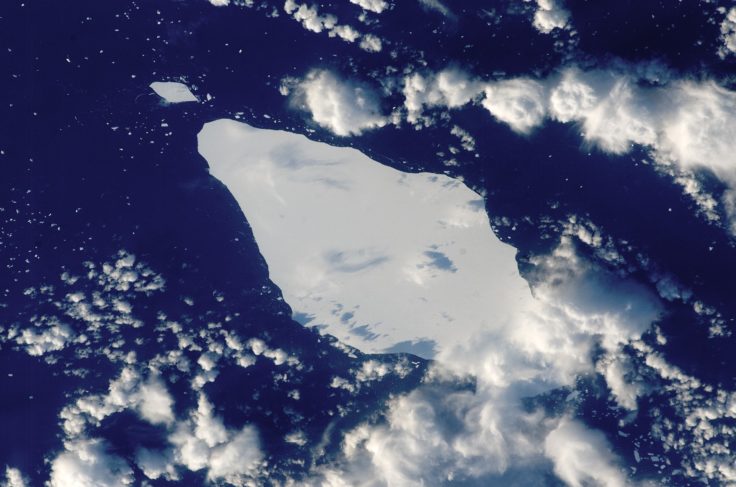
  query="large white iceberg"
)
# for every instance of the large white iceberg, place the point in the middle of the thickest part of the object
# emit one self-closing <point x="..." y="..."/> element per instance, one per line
<point x="382" y="259"/>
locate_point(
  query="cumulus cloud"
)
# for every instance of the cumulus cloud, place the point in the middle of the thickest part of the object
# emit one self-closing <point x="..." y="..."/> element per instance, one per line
<point x="700" y="128"/>
<point x="550" y="16"/>
<point x="203" y="441"/>
<point x="520" y="103"/>
<point x="343" y="107"/>
<point x="684" y="124"/>
<point x="582" y="456"/>
<point x="616" y="369"/>
<point x="614" y="116"/>
<point x="128" y="391"/>
<point x="438" y="435"/>
<point x="13" y="478"/>
<point x="220" y="3"/>
<point x="313" y="21"/>
<point x="689" y="124"/>
<point x="371" y="43"/>
<point x="344" y="32"/>
<point x="728" y="33"/>
<point x="237" y="457"/>
<point x="51" y="339"/>
<point x="376" y="6"/>
<point x="156" y="464"/>
<point x="449" y="88"/>
<point x="87" y="463"/>
<point x="309" y="17"/>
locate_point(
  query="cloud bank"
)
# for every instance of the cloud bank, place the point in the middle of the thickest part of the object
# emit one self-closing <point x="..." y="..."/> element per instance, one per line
<point x="684" y="124"/>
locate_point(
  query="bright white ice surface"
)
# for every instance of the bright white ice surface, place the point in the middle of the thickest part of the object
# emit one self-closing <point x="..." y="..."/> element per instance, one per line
<point x="382" y="259"/>
<point x="173" y="92"/>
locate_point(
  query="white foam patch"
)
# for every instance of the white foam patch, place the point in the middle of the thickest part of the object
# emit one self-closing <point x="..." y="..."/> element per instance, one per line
<point x="173" y="92"/>
<point x="382" y="259"/>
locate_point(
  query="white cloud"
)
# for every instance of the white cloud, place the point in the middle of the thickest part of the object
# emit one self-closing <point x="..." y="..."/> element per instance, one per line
<point x="312" y="20"/>
<point x="155" y="403"/>
<point x="345" y="32"/>
<point x="309" y="17"/>
<point x="615" y="368"/>
<point x="449" y="88"/>
<point x="467" y="141"/>
<point x="13" y="478"/>
<point x="127" y="391"/>
<point x="550" y="16"/>
<point x="571" y="97"/>
<point x="220" y="3"/>
<point x="338" y="105"/>
<point x="237" y="458"/>
<point x="583" y="457"/>
<point x="690" y="125"/>
<point x="700" y="128"/>
<point x="728" y="34"/>
<point x="51" y="339"/>
<point x="520" y="103"/>
<point x="371" y="43"/>
<point x="686" y="123"/>
<point x="376" y="6"/>
<point x="437" y="6"/>
<point x="155" y="465"/>
<point x="692" y="420"/>
<point x="86" y="463"/>
<point x="173" y="92"/>
<point x="204" y="442"/>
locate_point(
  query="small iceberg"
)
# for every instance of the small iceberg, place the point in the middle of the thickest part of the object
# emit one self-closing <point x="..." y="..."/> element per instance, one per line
<point x="173" y="92"/>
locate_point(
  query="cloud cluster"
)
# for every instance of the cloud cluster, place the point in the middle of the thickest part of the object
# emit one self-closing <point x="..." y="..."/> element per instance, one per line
<point x="728" y="33"/>
<point x="200" y="441"/>
<point x="13" y="478"/>
<point x="376" y="6"/>
<point x="519" y="103"/>
<point x="129" y="391"/>
<point x="87" y="463"/>
<point x="450" y="88"/>
<point x="343" y="107"/>
<point x="684" y="124"/>
<point x="313" y="21"/>
<point x="583" y="457"/>
<point x="203" y="441"/>
<point x="92" y="315"/>
<point x="550" y="16"/>
<point x="437" y="435"/>
<point x="691" y="419"/>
